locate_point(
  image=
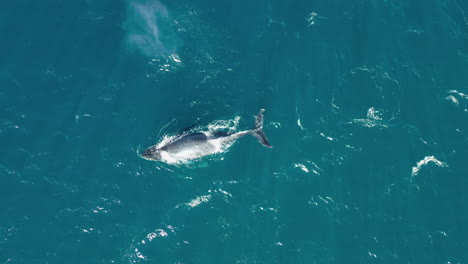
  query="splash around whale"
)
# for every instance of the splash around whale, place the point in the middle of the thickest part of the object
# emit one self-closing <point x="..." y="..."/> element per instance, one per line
<point x="198" y="144"/>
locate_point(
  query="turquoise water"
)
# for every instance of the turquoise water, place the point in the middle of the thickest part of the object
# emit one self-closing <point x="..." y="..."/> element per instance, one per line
<point x="366" y="108"/>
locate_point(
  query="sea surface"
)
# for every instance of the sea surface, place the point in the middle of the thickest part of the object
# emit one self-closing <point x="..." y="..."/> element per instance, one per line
<point x="366" y="109"/>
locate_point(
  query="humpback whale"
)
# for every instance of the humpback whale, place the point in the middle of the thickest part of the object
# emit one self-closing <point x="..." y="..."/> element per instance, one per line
<point x="202" y="143"/>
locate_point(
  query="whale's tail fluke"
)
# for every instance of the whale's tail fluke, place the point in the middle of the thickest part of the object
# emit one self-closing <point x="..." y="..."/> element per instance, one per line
<point x="257" y="131"/>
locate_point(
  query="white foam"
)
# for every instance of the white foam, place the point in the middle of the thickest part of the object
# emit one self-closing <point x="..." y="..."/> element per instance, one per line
<point x="311" y="18"/>
<point x="327" y="137"/>
<point x="426" y="161"/>
<point x="459" y="99"/>
<point x="373" y="114"/>
<point x="138" y="254"/>
<point x="231" y="125"/>
<point x="374" y="119"/>
<point x="302" y="166"/>
<point x="299" y="123"/>
<point x="174" y="57"/>
<point x="199" y="200"/>
<point x="452" y="98"/>
<point x="462" y="95"/>
<point x="156" y="233"/>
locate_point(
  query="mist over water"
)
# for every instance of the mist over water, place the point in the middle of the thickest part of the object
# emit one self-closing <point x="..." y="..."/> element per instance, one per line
<point x="148" y="28"/>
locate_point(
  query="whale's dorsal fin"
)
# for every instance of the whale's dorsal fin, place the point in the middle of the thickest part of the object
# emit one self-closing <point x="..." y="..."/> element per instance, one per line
<point x="218" y="134"/>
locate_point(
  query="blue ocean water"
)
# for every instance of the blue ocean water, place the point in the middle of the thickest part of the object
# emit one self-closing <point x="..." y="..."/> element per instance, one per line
<point x="366" y="108"/>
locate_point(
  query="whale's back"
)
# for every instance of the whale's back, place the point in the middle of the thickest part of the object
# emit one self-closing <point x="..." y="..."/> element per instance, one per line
<point x="191" y="141"/>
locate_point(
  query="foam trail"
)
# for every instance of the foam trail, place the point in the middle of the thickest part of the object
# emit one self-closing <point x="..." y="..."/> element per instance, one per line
<point x="415" y="170"/>
<point x="146" y="28"/>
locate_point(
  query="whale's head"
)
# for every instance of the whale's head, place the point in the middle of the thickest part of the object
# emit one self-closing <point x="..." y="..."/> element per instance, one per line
<point x="151" y="153"/>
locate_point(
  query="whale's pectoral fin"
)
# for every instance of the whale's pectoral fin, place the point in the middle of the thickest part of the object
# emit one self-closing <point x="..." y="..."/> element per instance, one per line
<point x="258" y="130"/>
